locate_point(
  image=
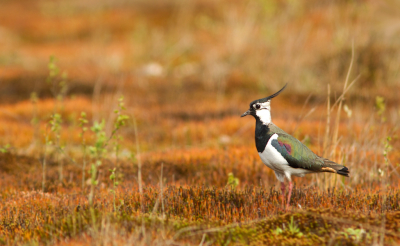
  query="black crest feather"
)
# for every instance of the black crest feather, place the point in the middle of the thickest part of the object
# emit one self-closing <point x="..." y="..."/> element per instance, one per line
<point x="265" y="99"/>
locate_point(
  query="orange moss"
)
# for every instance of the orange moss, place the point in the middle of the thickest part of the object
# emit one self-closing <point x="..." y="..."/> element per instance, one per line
<point x="215" y="57"/>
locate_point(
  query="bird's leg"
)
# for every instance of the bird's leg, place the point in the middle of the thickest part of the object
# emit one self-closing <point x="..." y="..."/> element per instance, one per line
<point x="283" y="189"/>
<point x="290" y="193"/>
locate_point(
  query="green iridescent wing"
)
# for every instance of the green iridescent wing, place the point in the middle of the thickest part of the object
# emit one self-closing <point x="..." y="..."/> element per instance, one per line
<point x="299" y="156"/>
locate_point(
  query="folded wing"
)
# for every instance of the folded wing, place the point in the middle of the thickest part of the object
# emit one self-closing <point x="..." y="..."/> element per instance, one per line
<point x="299" y="156"/>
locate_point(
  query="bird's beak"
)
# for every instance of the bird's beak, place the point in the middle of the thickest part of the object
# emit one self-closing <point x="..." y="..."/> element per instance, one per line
<point x="246" y="113"/>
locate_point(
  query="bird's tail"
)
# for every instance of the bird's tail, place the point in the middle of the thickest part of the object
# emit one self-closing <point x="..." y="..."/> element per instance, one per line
<point x="344" y="171"/>
<point x="333" y="167"/>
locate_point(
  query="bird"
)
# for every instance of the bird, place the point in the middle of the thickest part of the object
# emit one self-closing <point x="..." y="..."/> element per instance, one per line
<point x="282" y="152"/>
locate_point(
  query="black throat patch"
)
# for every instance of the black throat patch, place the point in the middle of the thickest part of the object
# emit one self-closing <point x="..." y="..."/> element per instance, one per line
<point x="262" y="135"/>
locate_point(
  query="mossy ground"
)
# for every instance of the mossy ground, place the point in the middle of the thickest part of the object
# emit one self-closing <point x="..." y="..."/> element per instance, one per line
<point x="187" y="71"/>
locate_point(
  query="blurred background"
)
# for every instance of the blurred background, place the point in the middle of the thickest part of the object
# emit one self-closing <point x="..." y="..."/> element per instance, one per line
<point x="189" y="69"/>
<point x="184" y="71"/>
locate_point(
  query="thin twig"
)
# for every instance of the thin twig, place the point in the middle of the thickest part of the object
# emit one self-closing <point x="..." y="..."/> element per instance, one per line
<point x="328" y="125"/>
<point x="139" y="163"/>
<point x="336" y="132"/>
<point x="341" y="97"/>
<point x="203" y="239"/>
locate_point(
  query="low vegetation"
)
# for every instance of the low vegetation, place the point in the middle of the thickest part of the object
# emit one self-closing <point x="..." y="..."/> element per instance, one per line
<point x="123" y="127"/>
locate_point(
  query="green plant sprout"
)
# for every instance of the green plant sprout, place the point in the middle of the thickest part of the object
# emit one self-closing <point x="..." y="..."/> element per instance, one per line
<point x="82" y="122"/>
<point x="101" y="142"/>
<point x="388" y="147"/>
<point x="121" y="118"/>
<point x="381" y="107"/>
<point x="119" y="122"/>
<point x="5" y="148"/>
<point x="357" y="234"/>
<point x="97" y="151"/>
<point x="115" y="184"/>
<point x="58" y="83"/>
<point x="292" y="229"/>
<point x="46" y="144"/>
<point x="55" y="123"/>
<point x="55" y="129"/>
<point x="277" y="231"/>
<point x="232" y="181"/>
<point x="59" y="88"/>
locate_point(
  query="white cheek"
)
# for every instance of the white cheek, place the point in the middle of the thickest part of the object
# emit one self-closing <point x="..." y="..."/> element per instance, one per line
<point x="264" y="115"/>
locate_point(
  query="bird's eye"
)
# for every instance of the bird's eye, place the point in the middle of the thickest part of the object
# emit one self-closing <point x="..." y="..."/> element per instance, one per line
<point x="257" y="106"/>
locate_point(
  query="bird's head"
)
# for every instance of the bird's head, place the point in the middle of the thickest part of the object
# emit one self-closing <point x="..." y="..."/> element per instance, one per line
<point x="261" y="108"/>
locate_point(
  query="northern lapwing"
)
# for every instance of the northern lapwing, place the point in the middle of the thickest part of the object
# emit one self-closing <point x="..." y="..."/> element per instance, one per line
<point x="283" y="153"/>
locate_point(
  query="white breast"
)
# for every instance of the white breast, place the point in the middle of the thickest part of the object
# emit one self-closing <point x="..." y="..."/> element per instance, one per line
<point x="274" y="160"/>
